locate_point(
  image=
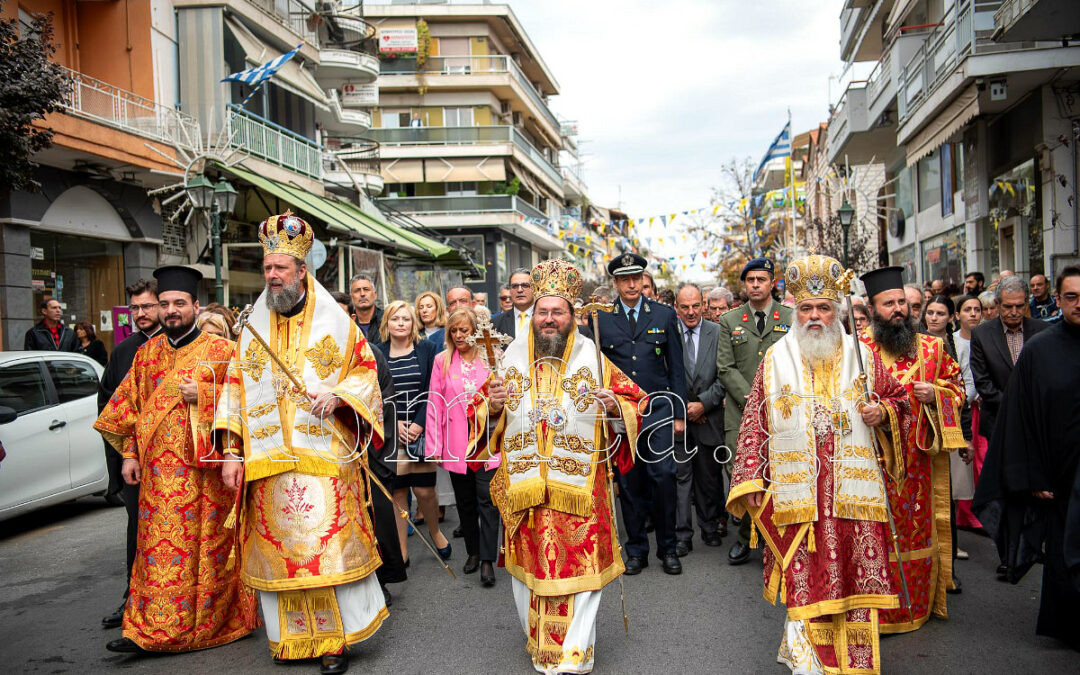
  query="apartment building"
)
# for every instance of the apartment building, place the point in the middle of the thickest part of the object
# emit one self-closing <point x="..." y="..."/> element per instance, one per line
<point x="970" y="109"/>
<point x="468" y="144"/>
<point x="91" y="228"/>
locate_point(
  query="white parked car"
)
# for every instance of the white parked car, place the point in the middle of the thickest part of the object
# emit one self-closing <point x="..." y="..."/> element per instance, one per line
<point x="48" y="405"/>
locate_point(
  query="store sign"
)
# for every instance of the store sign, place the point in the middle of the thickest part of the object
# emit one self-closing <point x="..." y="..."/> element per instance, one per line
<point x="37" y="253"/>
<point x="397" y="40"/>
<point x="360" y="95"/>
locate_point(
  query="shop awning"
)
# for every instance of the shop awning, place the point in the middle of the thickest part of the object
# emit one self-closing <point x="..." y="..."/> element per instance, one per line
<point x="292" y="76"/>
<point x="948" y="122"/>
<point x="355" y="221"/>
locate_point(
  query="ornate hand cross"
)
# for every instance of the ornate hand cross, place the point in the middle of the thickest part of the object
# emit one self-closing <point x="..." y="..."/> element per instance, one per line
<point x="488" y="339"/>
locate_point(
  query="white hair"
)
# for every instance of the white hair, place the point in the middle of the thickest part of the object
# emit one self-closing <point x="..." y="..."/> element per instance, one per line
<point x="820" y="346"/>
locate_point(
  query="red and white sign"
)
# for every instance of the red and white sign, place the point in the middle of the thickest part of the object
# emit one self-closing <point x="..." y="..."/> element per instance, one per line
<point x="360" y="95"/>
<point x="397" y="40"/>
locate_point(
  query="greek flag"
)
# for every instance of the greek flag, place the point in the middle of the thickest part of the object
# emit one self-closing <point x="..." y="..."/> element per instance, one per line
<point x="781" y="147"/>
<point x="260" y="74"/>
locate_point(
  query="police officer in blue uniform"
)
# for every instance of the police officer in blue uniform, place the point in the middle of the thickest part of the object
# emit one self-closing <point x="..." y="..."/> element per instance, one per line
<point x="641" y="337"/>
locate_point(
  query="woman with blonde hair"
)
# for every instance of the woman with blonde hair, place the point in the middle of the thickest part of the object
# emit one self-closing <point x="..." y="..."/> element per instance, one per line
<point x="431" y="310"/>
<point x="410" y="360"/>
<point x="214" y="323"/>
<point x="458" y="373"/>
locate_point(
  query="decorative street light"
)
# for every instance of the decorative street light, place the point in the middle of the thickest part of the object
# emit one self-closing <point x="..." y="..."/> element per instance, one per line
<point x="846" y="214"/>
<point x="216" y="201"/>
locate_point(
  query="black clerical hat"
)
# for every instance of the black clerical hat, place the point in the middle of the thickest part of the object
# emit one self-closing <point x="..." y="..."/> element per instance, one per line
<point x="883" y="279"/>
<point x="178" y="278"/>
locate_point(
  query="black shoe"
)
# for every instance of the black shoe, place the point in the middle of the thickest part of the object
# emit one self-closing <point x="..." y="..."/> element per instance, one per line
<point x="458" y="533"/>
<point x="487" y="574"/>
<point x="712" y="538"/>
<point x="683" y="548"/>
<point x="125" y="646"/>
<point x="1002" y="571"/>
<point x="115" y="619"/>
<point x="278" y="661"/>
<point x="957" y="588"/>
<point x="334" y="664"/>
<point x="738" y="554"/>
<point x="444" y="553"/>
<point x="387" y="598"/>
<point x="407" y="563"/>
<point x="472" y="563"/>
<point x="670" y="563"/>
<point x="722" y="528"/>
<point x="634" y="564"/>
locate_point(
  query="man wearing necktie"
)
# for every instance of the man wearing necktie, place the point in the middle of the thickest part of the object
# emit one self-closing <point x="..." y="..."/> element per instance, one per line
<point x="516" y="320"/>
<point x="642" y="338"/>
<point x="746" y="332"/>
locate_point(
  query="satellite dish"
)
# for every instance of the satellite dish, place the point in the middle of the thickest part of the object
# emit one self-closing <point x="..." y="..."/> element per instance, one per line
<point x="316" y="256"/>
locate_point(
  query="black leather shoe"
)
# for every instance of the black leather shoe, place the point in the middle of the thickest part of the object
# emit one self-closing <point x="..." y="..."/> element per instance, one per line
<point x="458" y="533"/>
<point x="125" y="646"/>
<point x="712" y="538"/>
<point x="738" y="554"/>
<point x="487" y="574"/>
<point x="472" y="563"/>
<point x="115" y="619"/>
<point x="387" y="598"/>
<point x="957" y="588"/>
<point x="722" y="529"/>
<point x="670" y="563"/>
<point x="445" y="553"/>
<point x="1002" y="571"/>
<point x="683" y="548"/>
<point x="334" y="664"/>
<point x="634" y="564"/>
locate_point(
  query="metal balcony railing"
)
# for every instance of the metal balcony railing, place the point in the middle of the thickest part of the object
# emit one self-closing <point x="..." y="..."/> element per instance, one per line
<point x="362" y="154"/>
<point x="115" y="107"/>
<point x="464" y="204"/>
<point x="262" y="138"/>
<point x="294" y="14"/>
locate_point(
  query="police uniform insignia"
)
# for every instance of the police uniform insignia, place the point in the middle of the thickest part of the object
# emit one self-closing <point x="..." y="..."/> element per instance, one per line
<point x="627" y="260"/>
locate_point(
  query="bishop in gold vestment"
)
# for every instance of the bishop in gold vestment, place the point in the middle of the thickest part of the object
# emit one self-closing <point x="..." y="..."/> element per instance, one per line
<point x="552" y="489"/>
<point x="308" y="544"/>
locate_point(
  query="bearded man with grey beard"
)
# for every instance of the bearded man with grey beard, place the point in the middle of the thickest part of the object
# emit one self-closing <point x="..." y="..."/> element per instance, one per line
<point x="805" y="472"/>
<point x="919" y="493"/>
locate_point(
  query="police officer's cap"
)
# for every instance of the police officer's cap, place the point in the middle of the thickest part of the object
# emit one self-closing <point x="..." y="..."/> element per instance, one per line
<point x="626" y="264"/>
<point x="757" y="264"/>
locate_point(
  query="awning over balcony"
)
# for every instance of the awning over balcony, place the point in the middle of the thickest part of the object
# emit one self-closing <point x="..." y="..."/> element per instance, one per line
<point x="948" y="122"/>
<point x="440" y="170"/>
<point x="354" y="221"/>
<point x="291" y="76"/>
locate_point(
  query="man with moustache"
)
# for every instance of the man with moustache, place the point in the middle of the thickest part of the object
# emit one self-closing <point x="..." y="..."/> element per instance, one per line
<point x="143" y="305"/>
<point x="919" y="483"/>
<point x="184" y="593"/>
<point x="559" y="426"/>
<point x="307" y="541"/>
<point x="805" y="472"/>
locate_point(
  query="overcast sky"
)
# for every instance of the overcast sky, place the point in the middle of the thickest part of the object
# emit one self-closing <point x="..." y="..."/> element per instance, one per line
<point x="663" y="92"/>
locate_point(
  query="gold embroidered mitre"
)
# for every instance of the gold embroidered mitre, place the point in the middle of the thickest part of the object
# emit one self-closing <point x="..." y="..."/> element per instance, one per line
<point x="817" y="276"/>
<point x="286" y="234"/>
<point x="557" y="278"/>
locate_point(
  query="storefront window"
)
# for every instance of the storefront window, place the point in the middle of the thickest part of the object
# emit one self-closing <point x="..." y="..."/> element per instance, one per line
<point x="929" y="181"/>
<point x="943" y="257"/>
<point x="85" y="275"/>
<point x="904" y="191"/>
<point x="1015" y="201"/>
<point x="906" y="257"/>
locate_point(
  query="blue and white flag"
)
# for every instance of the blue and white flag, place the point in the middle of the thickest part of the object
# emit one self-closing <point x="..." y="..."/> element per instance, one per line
<point x="781" y="147"/>
<point x="259" y="74"/>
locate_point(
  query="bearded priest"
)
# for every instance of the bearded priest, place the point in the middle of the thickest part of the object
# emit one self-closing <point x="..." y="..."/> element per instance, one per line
<point x="307" y="539"/>
<point x="806" y="472"/>
<point x="558" y="416"/>
<point x="185" y="586"/>
<point x="919" y="480"/>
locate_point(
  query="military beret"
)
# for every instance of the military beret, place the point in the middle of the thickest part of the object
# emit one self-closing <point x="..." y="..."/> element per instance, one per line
<point x="757" y="264"/>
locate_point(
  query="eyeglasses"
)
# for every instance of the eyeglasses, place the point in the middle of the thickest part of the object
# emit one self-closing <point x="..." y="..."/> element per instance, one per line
<point x="518" y="287"/>
<point x="145" y="309"/>
<point x="504" y="297"/>
<point x="554" y="314"/>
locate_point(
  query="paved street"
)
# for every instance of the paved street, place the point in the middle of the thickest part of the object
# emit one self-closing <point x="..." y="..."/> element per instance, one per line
<point x="63" y="567"/>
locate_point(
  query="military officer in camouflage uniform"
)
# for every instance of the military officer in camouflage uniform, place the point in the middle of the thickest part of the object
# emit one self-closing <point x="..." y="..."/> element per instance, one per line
<point x="745" y="333"/>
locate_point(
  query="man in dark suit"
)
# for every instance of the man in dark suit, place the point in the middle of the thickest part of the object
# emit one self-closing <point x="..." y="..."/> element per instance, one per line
<point x="995" y="346"/>
<point x="456" y="296"/>
<point x="143" y="304"/>
<point x="698" y="469"/>
<point x="641" y="337"/>
<point x="519" y="317"/>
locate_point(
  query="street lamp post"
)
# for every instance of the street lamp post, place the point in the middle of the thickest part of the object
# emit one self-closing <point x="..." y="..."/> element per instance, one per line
<point x="846" y="214"/>
<point x="215" y="201"/>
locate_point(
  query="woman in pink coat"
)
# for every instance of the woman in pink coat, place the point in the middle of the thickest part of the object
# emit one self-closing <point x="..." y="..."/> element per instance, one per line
<point x="458" y="373"/>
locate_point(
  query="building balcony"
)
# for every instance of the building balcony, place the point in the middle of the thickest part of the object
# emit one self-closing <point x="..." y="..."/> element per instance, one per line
<point x="1018" y="20"/>
<point x="353" y="162"/>
<point x="341" y="120"/>
<point x="861" y="28"/>
<point x="574" y="187"/>
<point x="499" y="74"/>
<point x="487" y="141"/>
<point x="338" y="64"/>
<point x="275" y="144"/>
<point x="505" y="212"/>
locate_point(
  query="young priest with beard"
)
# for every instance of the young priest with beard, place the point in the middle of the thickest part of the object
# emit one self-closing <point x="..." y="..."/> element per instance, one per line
<point x="919" y="489"/>
<point x="806" y="472"/>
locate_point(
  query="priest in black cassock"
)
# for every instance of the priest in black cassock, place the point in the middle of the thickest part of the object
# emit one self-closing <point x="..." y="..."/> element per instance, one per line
<point x="143" y="304"/>
<point x="1027" y="483"/>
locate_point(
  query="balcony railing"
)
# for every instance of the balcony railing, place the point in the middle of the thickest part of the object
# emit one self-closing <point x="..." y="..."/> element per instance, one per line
<point x="104" y="103"/>
<point x="473" y="65"/>
<point x="293" y="14"/>
<point x="468" y="136"/>
<point x="262" y="138"/>
<point x="466" y="204"/>
<point x="362" y="154"/>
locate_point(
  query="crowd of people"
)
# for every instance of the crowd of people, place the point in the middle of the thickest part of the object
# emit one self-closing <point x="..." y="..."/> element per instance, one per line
<point x="698" y="390"/>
